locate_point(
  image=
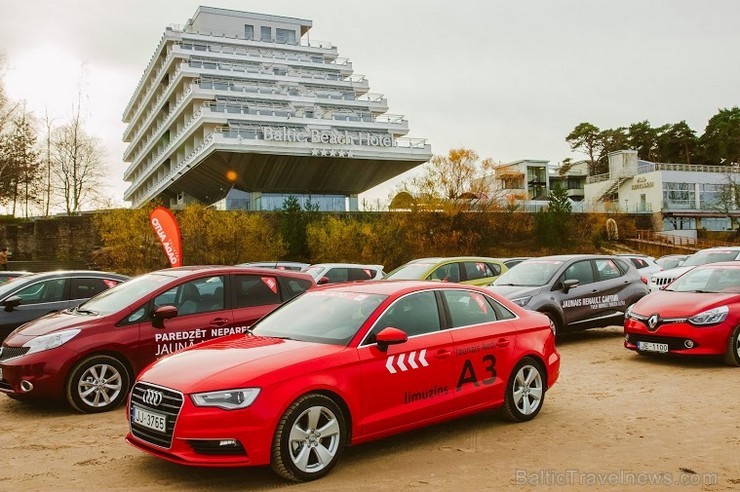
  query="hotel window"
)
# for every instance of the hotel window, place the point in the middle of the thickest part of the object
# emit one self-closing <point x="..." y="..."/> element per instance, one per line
<point x="711" y="196"/>
<point x="248" y="31"/>
<point x="286" y="36"/>
<point x="679" y="195"/>
<point x="266" y="33"/>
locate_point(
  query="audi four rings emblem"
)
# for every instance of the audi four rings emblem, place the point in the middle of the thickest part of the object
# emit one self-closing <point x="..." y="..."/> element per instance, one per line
<point x="152" y="397"/>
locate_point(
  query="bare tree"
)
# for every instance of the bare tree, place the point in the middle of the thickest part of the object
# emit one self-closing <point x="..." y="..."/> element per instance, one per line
<point x="47" y="190"/>
<point x="79" y="167"/>
<point x="727" y="201"/>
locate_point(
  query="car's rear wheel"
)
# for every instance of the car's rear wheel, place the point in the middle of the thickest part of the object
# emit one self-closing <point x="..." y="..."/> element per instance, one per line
<point x="97" y="384"/>
<point x="554" y="323"/>
<point x="525" y="392"/>
<point x="309" y="438"/>
<point x="732" y="357"/>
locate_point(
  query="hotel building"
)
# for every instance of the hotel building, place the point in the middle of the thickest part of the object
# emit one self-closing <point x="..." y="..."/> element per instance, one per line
<point x="681" y="197"/>
<point x="242" y="110"/>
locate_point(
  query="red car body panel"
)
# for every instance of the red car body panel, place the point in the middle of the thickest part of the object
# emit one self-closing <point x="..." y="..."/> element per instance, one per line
<point x="136" y="344"/>
<point x="673" y="310"/>
<point x="429" y="378"/>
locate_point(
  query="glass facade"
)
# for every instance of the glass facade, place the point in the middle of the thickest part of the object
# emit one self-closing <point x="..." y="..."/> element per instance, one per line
<point x="242" y="200"/>
<point x="679" y="196"/>
<point x="710" y="196"/>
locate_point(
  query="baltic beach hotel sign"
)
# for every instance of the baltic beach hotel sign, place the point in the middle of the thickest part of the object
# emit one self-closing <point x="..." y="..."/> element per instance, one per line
<point x="286" y="134"/>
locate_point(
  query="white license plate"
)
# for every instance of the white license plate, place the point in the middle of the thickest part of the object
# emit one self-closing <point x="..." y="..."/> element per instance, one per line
<point x="1" y="372"/>
<point x="653" y="347"/>
<point x="152" y="420"/>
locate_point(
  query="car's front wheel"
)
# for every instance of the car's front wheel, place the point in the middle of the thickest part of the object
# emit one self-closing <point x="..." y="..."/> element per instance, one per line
<point x="525" y="392"/>
<point x="732" y="357"/>
<point x="309" y="438"/>
<point x="97" y="384"/>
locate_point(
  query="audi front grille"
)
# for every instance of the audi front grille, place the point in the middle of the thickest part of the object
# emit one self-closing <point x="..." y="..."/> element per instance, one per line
<point x="169" y="405"/>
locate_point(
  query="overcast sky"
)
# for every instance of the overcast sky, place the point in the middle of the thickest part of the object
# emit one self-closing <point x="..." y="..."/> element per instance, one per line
<point x="508" y="79"/>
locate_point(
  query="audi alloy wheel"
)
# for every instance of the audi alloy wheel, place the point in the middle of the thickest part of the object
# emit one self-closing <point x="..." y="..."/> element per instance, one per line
<point x="97" y="384"/>
<point x="525" y="392"/>
<point x="309" y="439"/>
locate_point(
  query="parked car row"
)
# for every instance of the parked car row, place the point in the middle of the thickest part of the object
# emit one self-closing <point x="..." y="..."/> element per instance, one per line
<point x="260" y="365"/>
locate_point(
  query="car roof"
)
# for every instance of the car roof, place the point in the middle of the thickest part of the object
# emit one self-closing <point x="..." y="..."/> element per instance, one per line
<point x="390" y="287"/>
<point x="347" y="265"/>
<point x="73" y="273"/>
<point x="571" y="257"/>
<point x="721" y="264"/>
<point x="438" y="259"/>
<point x="216" y="269"/>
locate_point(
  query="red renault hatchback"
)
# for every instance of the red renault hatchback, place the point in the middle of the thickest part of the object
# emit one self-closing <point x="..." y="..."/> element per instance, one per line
<point x="90" y="354"/>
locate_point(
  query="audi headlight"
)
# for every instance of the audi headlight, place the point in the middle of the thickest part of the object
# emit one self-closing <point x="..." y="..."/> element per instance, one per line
<point x="228" y="399"/>
<point x="711" y="317"/>
<point x="50" y="341"/>
<point x="521" y="301"/>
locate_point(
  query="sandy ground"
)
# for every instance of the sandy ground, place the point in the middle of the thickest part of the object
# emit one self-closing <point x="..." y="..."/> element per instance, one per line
<point x="615" y="420"/>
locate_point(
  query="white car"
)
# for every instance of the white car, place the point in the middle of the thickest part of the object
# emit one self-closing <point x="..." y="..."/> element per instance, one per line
<point x="712" y="255"/>
<point x="329" y="273"/>
<point x="645" y="264"/>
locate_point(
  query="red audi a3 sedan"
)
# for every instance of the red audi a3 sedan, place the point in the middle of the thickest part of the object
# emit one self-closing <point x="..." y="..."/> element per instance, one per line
<point x="697" y="314"/>
<point x="90" y="354"/>
<point x="341" y="365"/>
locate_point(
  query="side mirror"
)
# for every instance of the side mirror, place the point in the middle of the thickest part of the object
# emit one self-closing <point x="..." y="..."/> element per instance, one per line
<point x="162" y="313"/>
<point x="390" y="336"/>
<point x="323" y="280"/>
<point x="569" y="284"/>
<point x="12" y="303"/>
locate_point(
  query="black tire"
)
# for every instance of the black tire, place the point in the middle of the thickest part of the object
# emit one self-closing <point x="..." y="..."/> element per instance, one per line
<point x="311" y="414"/>
<point x="554" y="323"/>
<point x="732" y="357"/>
<point x="524" y="398"/>
<point x="97" y="384"/>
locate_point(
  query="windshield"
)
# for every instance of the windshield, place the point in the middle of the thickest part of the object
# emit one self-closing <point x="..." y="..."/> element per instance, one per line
<point x="125" y="294"/>
<point x="331" y="317"/>
<point x="412" y="271"/>
<point x="7" y="287"/>
<point x="708" y="279"/>
<point x="314" y="271"/>
<point x="705" y="257"/>
<point x="669" y="263"/>
<point x="530" y="273"/>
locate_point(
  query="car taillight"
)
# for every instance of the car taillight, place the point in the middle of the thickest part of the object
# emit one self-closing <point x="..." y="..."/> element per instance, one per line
<point x="644" y="279"/>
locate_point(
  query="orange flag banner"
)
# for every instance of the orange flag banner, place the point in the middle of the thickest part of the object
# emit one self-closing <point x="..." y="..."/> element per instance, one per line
<point x="168" y="232"/>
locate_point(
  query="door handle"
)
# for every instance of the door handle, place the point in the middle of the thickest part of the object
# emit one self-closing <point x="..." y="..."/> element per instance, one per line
<point x="502" y="342"/>
<point x="219" y="321"/>
<point x="443" y="353"/>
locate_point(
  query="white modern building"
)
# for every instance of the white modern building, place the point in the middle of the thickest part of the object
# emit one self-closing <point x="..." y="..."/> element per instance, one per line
<point x="681" y="196"/>
<point x="528" y="182"/>
<point x="243" y="110"/>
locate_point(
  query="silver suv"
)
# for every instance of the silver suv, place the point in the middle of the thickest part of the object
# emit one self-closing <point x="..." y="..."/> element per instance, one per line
<point x="711" y="255"/>
<point x="575" y="291"/>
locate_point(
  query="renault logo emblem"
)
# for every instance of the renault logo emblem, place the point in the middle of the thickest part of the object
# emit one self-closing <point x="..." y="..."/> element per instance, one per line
<point x="653" y="322"/>
<point x="153" y="397"/>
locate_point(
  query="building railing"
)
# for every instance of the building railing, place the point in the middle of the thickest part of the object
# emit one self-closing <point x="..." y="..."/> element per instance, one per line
<point x="677" y="240"/>
<point x="323" y="45"/>
<point x="597" y="178"/>
<point x="647" y="167"/>
<point x="272" y="56"/>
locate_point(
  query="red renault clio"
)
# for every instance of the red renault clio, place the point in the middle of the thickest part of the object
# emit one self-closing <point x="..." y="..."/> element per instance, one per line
<point x="90" y="354"/>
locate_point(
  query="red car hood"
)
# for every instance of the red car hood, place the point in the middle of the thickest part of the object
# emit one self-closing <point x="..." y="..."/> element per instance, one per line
<point x="49" y="324"/>
<point x="233" y="362"/>
<point x="680" y="304"/>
